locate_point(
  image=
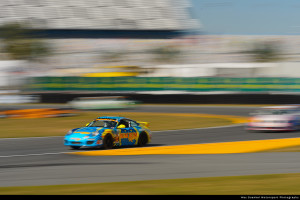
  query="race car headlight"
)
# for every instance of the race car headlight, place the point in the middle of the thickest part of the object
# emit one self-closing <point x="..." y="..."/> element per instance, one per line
<point x="95" y="133"/>
<point x="69" y="132"/>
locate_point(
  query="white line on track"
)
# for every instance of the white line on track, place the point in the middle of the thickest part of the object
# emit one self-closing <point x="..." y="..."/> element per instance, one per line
<point x="35" y="154"/>
<point x="215" y="127"/>
<point x="28" y="138"/>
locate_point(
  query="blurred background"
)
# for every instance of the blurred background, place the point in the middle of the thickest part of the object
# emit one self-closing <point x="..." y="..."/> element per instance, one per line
<point x="55" y="51"/>
<point x="61" y="56"/>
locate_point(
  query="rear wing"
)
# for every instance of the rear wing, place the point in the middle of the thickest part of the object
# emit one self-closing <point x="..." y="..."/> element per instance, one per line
<point x="146" y="124"/>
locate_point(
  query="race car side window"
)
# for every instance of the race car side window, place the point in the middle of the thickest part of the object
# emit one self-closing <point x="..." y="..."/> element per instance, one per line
<point x="133" y="123"/>
<point x="124" y="122"/>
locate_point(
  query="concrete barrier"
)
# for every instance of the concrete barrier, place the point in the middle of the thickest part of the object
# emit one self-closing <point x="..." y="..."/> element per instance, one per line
<point x="242" y="98"/>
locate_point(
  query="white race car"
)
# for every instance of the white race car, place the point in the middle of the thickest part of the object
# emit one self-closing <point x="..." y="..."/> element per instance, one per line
<point x="275" y="118"/>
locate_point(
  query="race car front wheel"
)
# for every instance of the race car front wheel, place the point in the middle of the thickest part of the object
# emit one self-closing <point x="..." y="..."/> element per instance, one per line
<point x="108" y="142"/>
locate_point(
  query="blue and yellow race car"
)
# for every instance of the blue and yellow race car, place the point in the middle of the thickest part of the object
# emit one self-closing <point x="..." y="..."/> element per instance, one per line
<point x="109" y="132"/>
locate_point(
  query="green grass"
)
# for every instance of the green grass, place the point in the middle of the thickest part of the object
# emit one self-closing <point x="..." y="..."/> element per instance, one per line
<point x="40" y="127"/>
<point x="274" y="184"/>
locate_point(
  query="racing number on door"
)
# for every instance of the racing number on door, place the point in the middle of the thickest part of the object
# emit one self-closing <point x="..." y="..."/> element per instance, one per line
<point x="128" y="136"/>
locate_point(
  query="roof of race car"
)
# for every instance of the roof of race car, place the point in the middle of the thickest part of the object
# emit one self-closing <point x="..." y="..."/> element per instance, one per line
<point x="111" y="118"/>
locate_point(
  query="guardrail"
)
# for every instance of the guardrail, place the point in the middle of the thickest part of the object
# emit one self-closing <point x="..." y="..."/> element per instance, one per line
<point x="190" y="84"/>
<point x="187" y="90"/>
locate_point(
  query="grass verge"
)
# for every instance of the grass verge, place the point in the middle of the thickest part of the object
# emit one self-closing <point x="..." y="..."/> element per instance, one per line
<point x="273" y="184"/>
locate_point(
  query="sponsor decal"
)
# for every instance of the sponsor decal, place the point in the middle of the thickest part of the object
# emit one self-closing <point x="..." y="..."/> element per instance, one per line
<point x="83" y="132"/>
<point x="76" y="139"/>
<point x="130" y="134"/>
<point x="107" y="119"/>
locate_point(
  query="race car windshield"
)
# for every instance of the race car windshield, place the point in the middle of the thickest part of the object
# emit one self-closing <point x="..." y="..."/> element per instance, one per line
<point x="275" y="112"/>
<point x="102" y="123"/>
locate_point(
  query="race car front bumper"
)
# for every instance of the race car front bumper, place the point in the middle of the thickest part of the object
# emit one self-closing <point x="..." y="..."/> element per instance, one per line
<point x="262" y="128"/>
<point x="82" y="142"/>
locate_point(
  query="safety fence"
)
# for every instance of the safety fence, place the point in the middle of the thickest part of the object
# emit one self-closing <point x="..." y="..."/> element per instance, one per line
<point x="190" y="84"/>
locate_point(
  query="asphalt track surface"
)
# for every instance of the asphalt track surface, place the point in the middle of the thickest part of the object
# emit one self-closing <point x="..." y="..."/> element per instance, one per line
<point x="44" y="161"/>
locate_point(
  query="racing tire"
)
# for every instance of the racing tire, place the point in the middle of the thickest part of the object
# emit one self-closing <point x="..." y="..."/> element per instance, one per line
<point x="75" y="147"/>
<point x="297" y="126"/>
<point x="143" y="139"/>
<point x="108" y="142"/>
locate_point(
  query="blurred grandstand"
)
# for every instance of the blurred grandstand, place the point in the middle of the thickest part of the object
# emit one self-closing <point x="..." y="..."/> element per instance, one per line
<point x="153" y="38"/>
<point x="136" y="38"/>
<point x="99" y="14"/>
<point x="92" y="35"/>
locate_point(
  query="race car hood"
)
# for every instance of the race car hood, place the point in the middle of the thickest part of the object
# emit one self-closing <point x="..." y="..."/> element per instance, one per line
<point x="85" y="130"/>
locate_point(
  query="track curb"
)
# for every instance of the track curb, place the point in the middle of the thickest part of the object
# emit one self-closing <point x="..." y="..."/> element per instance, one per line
<point x="207" y="148"/>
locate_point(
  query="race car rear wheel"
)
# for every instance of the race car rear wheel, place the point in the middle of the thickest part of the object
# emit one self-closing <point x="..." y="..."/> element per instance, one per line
<point x="108" y="142"/>
<point x="143" y="139"/>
